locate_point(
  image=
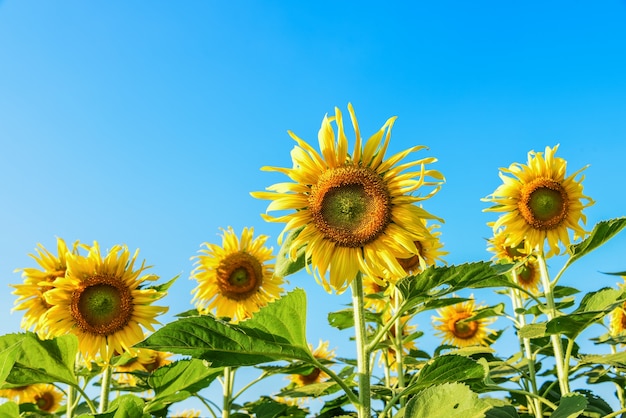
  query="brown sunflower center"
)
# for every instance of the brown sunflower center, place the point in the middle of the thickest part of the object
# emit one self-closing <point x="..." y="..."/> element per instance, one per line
<point x="45" y="401"/>
<point x="412" y="264"/>
<point x="350" y="206"/>
<point x="463" y="330"/>
<point x="239" y="275"/>
<point x="311" y="377"/>
<point x="526" y="274"/>
<point x="102" y="305"/>
<point x="543" y="203"/>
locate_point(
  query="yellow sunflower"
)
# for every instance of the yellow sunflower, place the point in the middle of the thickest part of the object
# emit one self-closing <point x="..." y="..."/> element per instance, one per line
<point x="378" y="294"/>
<point x="528" y="274"/>
<point x="236" y="278"/>
<point x="455" y="331"/>
<point x="429" y="252"/>
<point x="617" y="324"/>
<point x="102" y="301"/>
<point x="143" y="360"/>
<point x="355" y="210"/>
<point x="539" y="203"/>
<point x="37" y="281"/>
<point x="187" y="413"/>
<point x="19" y="394"/>
<point x="47" y="397"/>
<point x="315" y="375"/>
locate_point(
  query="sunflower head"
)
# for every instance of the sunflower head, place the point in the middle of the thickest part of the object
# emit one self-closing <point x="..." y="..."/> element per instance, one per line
<point x="357" y="210"/>
<point x="140" y="360"/>
<point x="316" y="375"/>
<point x="456" y="326"/>
<point x="429" y="252"/>
<point x="102" y="300"/>
<point x="540" y="204"/>
<point x="236" y="278"/>
<point x="47" y="397"/>
<point x="187" y="413"/>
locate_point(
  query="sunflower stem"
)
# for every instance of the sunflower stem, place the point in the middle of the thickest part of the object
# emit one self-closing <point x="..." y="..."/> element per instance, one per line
<point x="229" y="380"/>
<point x="71" y="395"/>
<point x="527" y="353"/>
<point x="364" y="406"/>
<point x="551" y="313"/>
<point x="106" y="388"/>
<point x="398" y="345"/>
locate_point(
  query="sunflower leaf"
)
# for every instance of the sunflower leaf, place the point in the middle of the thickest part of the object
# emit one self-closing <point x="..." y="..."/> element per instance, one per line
<point x="602" y="232"/>
<point x="8" y="356"/>
<point x="284" y="265"/>
<point x="41" y="361"/>
<point x="276" y="332"/>
<point x="571" y="405"/>
<point x="177" y="381"/>
<point x="446" y="369"/>
<point x="128" y="406"/>
<point x="447" y="400"/>
<point x="9" y="409"/>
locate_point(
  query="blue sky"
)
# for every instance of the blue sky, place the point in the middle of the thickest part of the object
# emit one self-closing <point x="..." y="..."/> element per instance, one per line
<point x="146" y="123"/>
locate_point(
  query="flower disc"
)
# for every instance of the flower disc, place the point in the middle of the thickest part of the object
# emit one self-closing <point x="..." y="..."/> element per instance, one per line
<point x="239" y="275"/>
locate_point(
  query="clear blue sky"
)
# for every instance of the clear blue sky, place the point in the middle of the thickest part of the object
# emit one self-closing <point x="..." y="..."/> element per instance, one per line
<point x="146" y="123"/>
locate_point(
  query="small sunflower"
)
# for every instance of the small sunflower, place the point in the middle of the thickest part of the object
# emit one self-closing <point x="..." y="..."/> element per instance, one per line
<point x="378" y="294"/>
<point x="37" y="281"/>
<point x="539" y="203"/>
<point x="455" y="331"/>
<point x="528" y="274"/>
<point x="102" y="301"/>
<point x="236" y="278"/>
<point x="429" y="252"/>
<point x="355" y="210"/>
<point x="316" y="375"/>
<point x="187" y="413"/>
<point x="142" y="360"/>
<point x="47" y="397"/>
<point x="617" y="324"/>
<point x="19" y="394"/>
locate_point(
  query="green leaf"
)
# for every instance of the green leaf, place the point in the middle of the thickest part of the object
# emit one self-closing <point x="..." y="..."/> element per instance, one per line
<point x="602" y="232"/>
<point x="345" y="318"/>
<point x="284" y="265"/>
<point x="570" y="406"/>
<point x="127" y="406"/>
<point x="41" y="361"/>
<point x="276" y="332"/>
<point x="449" y="400"/>
<point x="8" y="355"/>
<point x="165" y="286"/>
<point x="445" y="369"/>
<point x="179" y="380"/>
<point x="533" y="330"/>
<point x="9" y="409"/>
<point x="506" y="411"/>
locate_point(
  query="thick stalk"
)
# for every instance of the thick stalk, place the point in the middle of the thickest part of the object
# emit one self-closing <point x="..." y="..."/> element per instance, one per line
<point x="399" y="333"/>
<point x="71" y="395"/>
<point x="551" y="312"/>
<point x="106" y="388"/>
<point x="618" y="388"/>
<point x="229" y="377"/>
<point x="363" y="373"/>
<point x="517" y="301"/>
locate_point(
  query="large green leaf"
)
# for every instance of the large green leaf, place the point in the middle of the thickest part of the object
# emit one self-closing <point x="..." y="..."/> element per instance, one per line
<point x="128" y="406"/>
<point x="178" y="381"/>
<point x="41" y="361"/>
<point x="602" y="232"/>
<point x="445" y="369"/>
<point x="439" y="281"/>
<point x="450" y="400"/>
<point x="8" y="356"/>
<point x="570" y="406"/>
<point x="276" y="332"/>
<point x="9" y="410"/>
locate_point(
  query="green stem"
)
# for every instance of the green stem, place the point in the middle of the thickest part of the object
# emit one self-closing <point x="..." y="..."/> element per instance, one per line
<point x="619" y="389"/>
<point x="106" y="388"/>
<point x="353" y="398"/>
<point x="71" y="395"/>
<point x="207" y="406"/>
<point x="525" y="393"/>
<point x="616" y="413"/>
<point x="248" y="385"/>
<point x="527" y="351"/>
<point x="229" y="381"/>
<point x="398" y="344"/>
<point x="363" y="372"/>
<point x="552" y="313"/>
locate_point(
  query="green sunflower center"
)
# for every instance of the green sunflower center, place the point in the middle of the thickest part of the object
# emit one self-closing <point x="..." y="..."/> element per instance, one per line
<point x="350" y="205"/>
<point x="544" y="203"/>
<point x="463" y="329"/>
<point x="311" y="377"/>
<point x="239" y="275"/>
<point x="102" y="305"/>
<point x="45" y="401"/>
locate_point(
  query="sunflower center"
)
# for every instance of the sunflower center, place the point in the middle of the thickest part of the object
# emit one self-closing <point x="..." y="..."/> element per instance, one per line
<point x="350" y="205"/>
<point x="310" y="377"/>
<point x="463" y="330"/>
<point x="412" y="264"/>
<point x="543" y="204"/>
<point x="45" y="401"/>
<point x="102" y="305"/>
<point x="526" y="274"/>
<point x="239" y="276"/>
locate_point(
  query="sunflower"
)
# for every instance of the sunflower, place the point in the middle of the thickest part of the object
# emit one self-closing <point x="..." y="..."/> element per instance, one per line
<point x="316" y="375"/>
<point x="355" y="210"/>
<point x="37" y="281"/>
<point x="141" y="360"/>
<point x="540" y="203"/>
<point x="429" y="252"/>
<point x="47" y="397"/>
<point x="378" y="294"/>
<point x="528" y="274"/>
<point x="102" y="302"/>
<point x="455" y="331"/>
<point x="236" y="278"/>
<point x="187" y="413"/>
<point x="19" y="394"/>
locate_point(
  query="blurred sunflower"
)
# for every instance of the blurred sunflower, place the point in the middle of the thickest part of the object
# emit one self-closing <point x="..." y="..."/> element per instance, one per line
<point x="316" y="375"/>
<point x="141" y="360"/>
<point x="236" y="278"/>
<point x="102" y="302"/>
<point x="37" y="281"/>
<point x="540" y="203"/>
<point x="528" y="274"/>
<point x="355" y="210"/>
<point x="47" y="397"/>
<point x="187" y="413"/>
<point x="19" y="394"/>
<point x="429" y="252"/>
<point x="617" y="324"/>
<point x="455" y="331"/>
